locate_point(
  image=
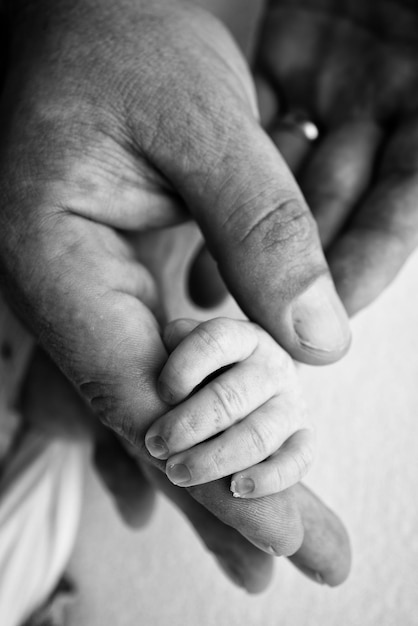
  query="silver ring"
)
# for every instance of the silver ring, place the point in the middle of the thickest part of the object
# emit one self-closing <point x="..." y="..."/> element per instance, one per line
<point x="300" y="122"/>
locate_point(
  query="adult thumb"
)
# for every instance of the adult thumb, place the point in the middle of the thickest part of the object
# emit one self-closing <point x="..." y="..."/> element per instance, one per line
<point x="253" y="216"/>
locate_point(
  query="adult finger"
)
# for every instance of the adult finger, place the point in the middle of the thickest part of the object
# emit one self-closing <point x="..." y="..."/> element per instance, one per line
<point x="338" y="173"/>
<point x="325" y="548"/>
<point x="383" y="231"/>
<point x="205" y="285"/>
<point x="259" y="435"/>
<point x="254" y="218"/>
<point x="244" y="564"/>
<point x="325" y="554"/>
<point x="286" y="467"/>
<point x="256" y="520"/>
<point x="269" y="254"/>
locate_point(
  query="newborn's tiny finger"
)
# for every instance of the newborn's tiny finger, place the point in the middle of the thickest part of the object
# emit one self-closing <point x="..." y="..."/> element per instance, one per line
<point x="176" y="331"/>
<point x="282" y="470"/>
<point x="227" y="399"/>
<point x="243" y="445"/>
<point x="210" y="346"/>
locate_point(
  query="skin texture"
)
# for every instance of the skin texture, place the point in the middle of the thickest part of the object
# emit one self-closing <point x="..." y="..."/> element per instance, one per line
<point x="237" y="411"/>
<point x="352" y="67"/>
<point x="92" y="150"/>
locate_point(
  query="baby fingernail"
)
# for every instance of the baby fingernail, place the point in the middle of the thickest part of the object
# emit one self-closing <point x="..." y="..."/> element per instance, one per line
<point x="242" y="487"/>
<point x="157" y="447"/>
<point x="178" y="474"/>
<point x="320" y="320"/>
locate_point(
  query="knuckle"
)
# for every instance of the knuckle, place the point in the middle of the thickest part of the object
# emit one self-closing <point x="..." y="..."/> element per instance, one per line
<point x="206" y="465"/>
<point x="260" y="438"/>
<point x="288" y="224"/>
<point x="228" y="401"/>
<point x="184" y="428"/>
<point x="210" y="337"/>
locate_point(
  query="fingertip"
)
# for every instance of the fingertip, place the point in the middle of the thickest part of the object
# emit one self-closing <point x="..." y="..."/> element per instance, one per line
<point x="286" y="539"/>
<point x="320" y="323"/>
<point x="280" y="471"/>
<point x="330" y="574"/>
<point x="242" y="486"/>
<point x="179" y="474"/>
<point x="326" y="547"/>
<point x="312" y="575"/>
<point x="293" y="534"/>
<point x="271" y="522"/>
<point x="156" y="446"/>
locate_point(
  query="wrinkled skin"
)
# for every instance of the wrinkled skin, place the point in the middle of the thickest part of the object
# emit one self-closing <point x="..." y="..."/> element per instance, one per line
<point x="352" y="67"/>
<point x="92" y="148"/>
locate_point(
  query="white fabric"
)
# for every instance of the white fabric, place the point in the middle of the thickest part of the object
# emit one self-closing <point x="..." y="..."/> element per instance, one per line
<point x="40" y="501"/>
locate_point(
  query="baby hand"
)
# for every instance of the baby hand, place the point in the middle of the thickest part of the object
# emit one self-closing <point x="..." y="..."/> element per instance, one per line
<point x="239" y="409"/>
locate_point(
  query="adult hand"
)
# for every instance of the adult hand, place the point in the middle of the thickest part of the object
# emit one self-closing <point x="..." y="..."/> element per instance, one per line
<point x="352" y="68"/>
<point x="114" y="117"/>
